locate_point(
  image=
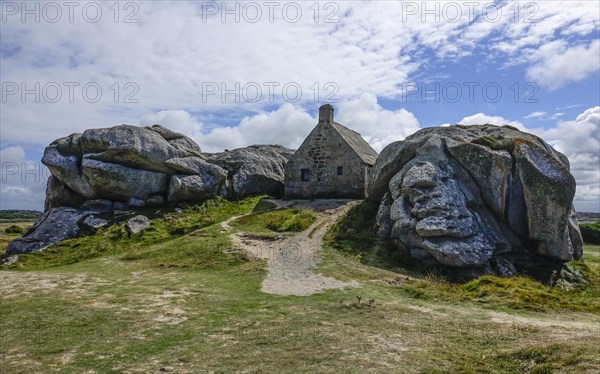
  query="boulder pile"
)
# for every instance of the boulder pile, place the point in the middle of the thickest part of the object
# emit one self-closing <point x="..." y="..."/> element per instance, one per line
<point x="116" y="171"/>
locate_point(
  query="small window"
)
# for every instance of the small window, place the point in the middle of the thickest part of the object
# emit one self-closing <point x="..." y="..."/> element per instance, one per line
<point x="340" y="170"/>
<point x="305" y="175"/>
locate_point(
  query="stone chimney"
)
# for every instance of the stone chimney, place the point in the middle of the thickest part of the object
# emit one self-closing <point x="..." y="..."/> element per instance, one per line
<point x="326" y="114"/>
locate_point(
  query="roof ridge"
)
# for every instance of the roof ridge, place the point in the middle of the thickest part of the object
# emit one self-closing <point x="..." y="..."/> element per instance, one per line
<point x="358" y="144"/>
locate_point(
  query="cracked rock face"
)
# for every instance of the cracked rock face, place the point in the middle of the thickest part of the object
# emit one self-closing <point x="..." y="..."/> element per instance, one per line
<point x="483" y="197"/>
<point x="117" y="163"/>
<point x="119" y="170"/>
<point x="254" y="170"/>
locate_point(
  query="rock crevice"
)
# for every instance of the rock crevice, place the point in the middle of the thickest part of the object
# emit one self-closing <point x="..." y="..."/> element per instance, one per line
<point x="477" y="197"/>
<point x="114" y="171"/>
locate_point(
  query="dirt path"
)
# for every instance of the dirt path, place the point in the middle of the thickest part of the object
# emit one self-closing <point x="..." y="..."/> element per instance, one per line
<point x="292" y="259"/>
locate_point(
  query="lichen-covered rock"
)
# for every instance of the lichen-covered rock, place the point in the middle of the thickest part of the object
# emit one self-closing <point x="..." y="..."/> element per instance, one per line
<point x="137" y="224"/>
<point x="110" y="170"/>
<point x="194" y="188"/>
<point x="97" y="206"/>
<point x="196" y="166"/>
<point x="57" y="195"/>
<point x="117" y="163"/>
<point x="472" y="197"/>
<point x="118" y="182"/>
<point x="92" y="224"/>
<point x="254" y="170"/>
<point x="53" y="226"/>
<point x="137" y="147"/>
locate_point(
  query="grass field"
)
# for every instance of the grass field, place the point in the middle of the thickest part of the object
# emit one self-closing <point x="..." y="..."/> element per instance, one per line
<point x="6" y="238"/>
<point x="181" y="296"/>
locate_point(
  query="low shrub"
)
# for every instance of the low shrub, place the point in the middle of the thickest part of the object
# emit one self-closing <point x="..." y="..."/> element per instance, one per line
<point x="590" y="232"/>
<point x="14" y="229"/>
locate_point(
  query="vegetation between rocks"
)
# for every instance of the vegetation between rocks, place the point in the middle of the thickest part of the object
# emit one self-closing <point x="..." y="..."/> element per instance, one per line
<point x="169" y="231"/>
<point x="279" y="221"/>
<point x="179" y="295"/>
<point x="355" y="236"/>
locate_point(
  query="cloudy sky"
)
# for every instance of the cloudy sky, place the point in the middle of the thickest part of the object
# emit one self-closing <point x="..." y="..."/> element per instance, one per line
<point x="231" y="74"/>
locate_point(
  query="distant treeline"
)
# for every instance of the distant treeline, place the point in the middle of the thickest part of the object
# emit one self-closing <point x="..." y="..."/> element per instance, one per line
<point x="588" y="215"/>
<point x="19" y="215"/>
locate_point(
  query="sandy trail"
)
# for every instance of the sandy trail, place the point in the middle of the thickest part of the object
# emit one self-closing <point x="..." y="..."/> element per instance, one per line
<point x="291" y="259"/>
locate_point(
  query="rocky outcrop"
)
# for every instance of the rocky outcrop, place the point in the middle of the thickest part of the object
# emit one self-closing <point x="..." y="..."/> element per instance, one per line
<point x="107" y="174"/>
<point x="201" y="181"/>
<point x="151" y="166"/>
<point x="53" y="226"/>
<point x="127" y="164"/>
<point x="477" y="197"/>
<point x="57" y="195"/>
<point x="254" y="170"/>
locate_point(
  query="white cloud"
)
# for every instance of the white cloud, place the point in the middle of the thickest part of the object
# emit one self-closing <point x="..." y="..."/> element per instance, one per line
<point x="557" y="64"/>
<point x="377" y="125"/>
<point x="287" y="126"/>
<point x="534" y="115"/>
<point x="12" y="154"/>
<point x="575" y="137"/>
<point x="373" y="48"/>
<point x="482" y="118"/>
<point x="23" y="183"/>
<point x="176" y="120"/>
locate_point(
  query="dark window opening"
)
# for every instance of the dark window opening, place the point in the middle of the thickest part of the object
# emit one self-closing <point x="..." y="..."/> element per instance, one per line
<point x="305" y="175"/>
<point x="340" y="170"/>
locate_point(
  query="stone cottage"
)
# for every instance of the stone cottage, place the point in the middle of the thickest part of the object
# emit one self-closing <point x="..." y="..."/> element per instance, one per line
<point x="332" y="162"/>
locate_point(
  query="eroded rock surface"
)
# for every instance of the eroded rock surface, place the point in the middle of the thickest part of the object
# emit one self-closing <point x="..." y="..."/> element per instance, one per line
<point x="53" y="226"/>
<point x="108" y="174"/>
<point x="481" y="197"/>
<point x="254" y="170"/>
<point x="137" y="224"/>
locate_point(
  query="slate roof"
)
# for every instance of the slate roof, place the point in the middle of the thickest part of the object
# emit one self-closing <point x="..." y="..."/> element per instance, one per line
<point x="357" y="143"/>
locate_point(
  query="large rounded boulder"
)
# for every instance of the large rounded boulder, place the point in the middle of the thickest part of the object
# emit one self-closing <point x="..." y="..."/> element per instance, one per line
<point x="254" y="170"/>
<point x="485" y="198"/>
<point x="126" y="163"/>
<point x="107" y="173"/>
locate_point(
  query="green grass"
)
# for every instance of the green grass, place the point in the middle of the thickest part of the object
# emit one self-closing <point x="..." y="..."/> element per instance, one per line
<point x="354" y="237"/>
<point x="267" y="224"/>
<point x="192" y="302"/>
<point x="204" y="249"/>
<point x="541" y="358"/>
<point x="518" y="292"/>
<point x="5" y="237"/>
<point x="14" y="229"/>
<point x="112" y="315"/>
<point x="166" y="231"/>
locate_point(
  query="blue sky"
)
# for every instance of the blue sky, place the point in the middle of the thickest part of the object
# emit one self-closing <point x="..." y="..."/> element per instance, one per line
<point x="156" y="62"/>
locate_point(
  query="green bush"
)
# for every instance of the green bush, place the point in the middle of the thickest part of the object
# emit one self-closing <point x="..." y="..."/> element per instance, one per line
<point x="14" y="229"/>
<point x="591" y="232"/>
